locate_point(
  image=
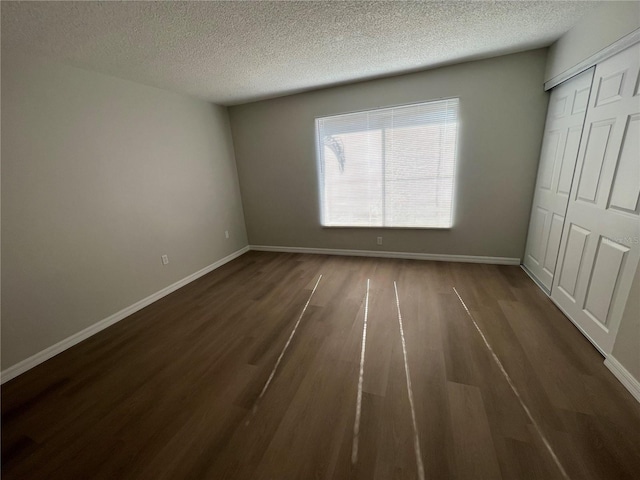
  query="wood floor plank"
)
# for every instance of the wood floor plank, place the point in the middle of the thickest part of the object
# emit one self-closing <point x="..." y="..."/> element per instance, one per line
<point x="425" y="329"/>
<point x="173" y="391"/>
<point x="474" y="449"/>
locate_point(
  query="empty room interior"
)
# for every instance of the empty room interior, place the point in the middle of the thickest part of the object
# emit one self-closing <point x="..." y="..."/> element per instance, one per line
<point x="320" y="240"/>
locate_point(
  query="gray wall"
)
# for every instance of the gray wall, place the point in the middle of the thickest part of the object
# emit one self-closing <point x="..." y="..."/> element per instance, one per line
<point x="502" y="111"/>
<point x="100" y="177"/>
<point x="597" y="30"/>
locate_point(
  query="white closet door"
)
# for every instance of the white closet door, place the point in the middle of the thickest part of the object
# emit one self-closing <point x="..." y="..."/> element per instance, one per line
<point x="600" y="240"/>
<point x="565" y="118"/>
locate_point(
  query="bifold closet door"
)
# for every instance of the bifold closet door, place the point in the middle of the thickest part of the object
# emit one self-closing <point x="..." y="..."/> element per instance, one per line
<point x="565" y="118"/>
<point x="600" y="241"/>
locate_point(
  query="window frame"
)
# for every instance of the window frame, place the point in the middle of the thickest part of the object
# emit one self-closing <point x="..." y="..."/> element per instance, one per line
<point x="320" y="175"/>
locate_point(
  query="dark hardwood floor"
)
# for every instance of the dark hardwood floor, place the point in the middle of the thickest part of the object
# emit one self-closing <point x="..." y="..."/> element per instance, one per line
<point x="172" y="391"/>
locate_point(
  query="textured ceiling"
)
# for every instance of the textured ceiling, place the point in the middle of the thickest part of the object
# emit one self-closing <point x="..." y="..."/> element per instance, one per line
<point x="235" y="52"/>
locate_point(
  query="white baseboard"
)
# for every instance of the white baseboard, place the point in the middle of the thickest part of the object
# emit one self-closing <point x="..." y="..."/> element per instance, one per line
<point x="76" y="338"/>
<point x="622" y="374"/>
<point x="383" y="254"/>
<point x="579" y="327"/>
<point x="535" y="280"/>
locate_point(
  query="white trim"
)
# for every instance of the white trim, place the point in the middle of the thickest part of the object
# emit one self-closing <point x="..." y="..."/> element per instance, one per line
<point x="582" y="330"/>
<point x="535" y="280"/>
<point x="623" y="375"/>
<point x="76" y="338"/>
<point x="405" y="255"/>
<point x="615" y="47"/>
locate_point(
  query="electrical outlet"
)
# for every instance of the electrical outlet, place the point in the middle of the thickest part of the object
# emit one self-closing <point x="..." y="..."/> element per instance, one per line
<point x="165" y="259"/>
<point x="226" y="234"/>
<point x="379" y="240"/>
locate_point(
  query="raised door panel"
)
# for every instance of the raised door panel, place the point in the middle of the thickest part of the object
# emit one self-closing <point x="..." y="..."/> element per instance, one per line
<point x="572" y="260"/>
<point x="580" y="100"/>
<point x="558" y="105"/>
<point x="625" y="194"/>
<point x="551" y="253"/>
<point x="595" y="153"/>
<point x="548" y="160"/>
<point x="538" y="227"/>
<point x="569" y="160"/>
<point x="610" y="87"/>
<point x="605" y="276"/>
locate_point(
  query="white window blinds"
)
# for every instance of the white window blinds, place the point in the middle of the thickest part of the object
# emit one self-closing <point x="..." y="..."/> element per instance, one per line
<point x="390" y="167"/>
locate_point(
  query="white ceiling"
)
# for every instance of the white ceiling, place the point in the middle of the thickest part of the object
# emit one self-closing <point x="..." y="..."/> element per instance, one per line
<point x="236" y="52"/>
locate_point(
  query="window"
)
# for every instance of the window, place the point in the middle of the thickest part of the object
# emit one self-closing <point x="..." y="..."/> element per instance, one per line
<point x="389" y="167"/>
